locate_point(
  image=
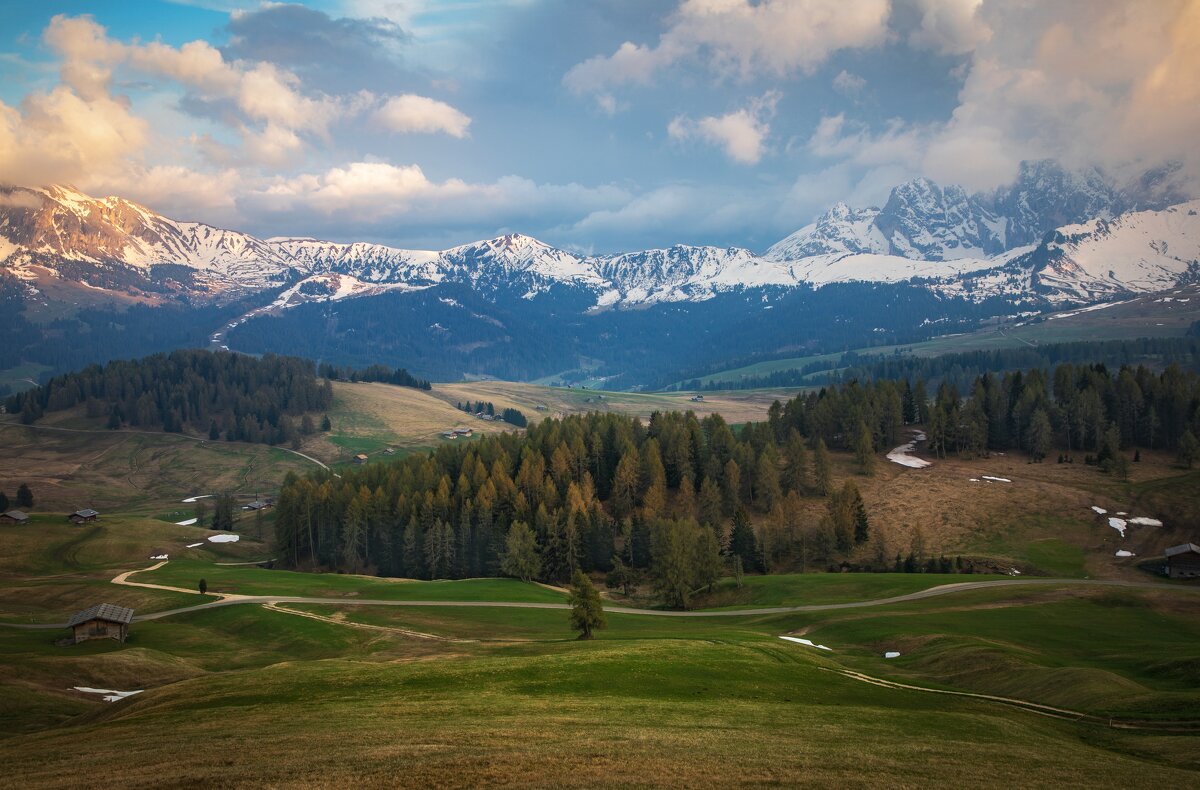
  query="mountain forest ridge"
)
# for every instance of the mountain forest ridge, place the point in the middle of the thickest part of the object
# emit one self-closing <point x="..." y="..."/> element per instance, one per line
<point x="1106" y="240"/>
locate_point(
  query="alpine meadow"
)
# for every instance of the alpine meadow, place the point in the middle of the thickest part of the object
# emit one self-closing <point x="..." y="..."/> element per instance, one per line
<point x="620" y="393"/>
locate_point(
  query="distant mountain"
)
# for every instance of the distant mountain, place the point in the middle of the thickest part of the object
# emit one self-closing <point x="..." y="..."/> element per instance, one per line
<point x="1052" y="235"/>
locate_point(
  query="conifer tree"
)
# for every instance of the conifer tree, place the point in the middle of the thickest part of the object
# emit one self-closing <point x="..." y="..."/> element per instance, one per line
<point x="587" y="610"/>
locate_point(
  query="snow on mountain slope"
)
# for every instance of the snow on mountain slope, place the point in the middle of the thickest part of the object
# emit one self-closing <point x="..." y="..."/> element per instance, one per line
<point x="683" y="273"/>
<point x="516" y="257"/>
<point x="875" y="267"/>
<point x="841" y="230"/>
<point x="1137" y="252"/>
<point x="374" y="263"/>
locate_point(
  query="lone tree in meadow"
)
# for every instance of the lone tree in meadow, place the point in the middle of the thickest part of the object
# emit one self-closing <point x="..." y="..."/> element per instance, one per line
<point x="24" y="496"/>
<point x="203" y="587"/>
<point x="587" y="611"/>
<point x="521" y="553"/>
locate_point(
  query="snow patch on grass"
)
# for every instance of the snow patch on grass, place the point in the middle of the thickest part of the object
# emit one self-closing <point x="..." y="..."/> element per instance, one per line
<point x="109" y="694"/>
<point x="187" y="522"/>
<point x="801" y="641"/>
<point x="224" y="538"/>
<point x="1118" y="524"/>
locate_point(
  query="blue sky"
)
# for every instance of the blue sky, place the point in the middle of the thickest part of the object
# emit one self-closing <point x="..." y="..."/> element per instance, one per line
<point x="598" y="126"/>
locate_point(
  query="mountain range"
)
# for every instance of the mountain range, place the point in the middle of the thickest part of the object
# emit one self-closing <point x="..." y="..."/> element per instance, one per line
<point x="931" y="257"/>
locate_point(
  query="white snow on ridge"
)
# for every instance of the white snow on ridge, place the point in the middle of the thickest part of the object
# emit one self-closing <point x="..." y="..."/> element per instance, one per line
<point x="807" y="642"/>
<point x="109" y="694"/>
<point x="903" y="454"/>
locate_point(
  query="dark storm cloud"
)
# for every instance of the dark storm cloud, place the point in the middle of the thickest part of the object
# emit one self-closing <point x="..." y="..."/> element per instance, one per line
<point x="335" y="55"/>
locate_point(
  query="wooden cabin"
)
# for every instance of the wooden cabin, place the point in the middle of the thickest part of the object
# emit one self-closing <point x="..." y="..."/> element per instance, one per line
<point x="1183" y="562"/>
<point x="85" y="515"/>
<point x="14" y="517"/>
<point x="102" y="621"/>
<point x="361" y="458"/>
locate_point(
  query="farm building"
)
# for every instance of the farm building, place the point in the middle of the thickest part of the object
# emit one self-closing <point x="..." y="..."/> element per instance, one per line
<point x="14" y="517"/>
<point x="361" y="458"/>
<point x="87" y="514"/>
<point x="258" y="504"/>
<point x="1183" y="562"/>
<point x="463" y="431"/>
<point x="102" y="621"/>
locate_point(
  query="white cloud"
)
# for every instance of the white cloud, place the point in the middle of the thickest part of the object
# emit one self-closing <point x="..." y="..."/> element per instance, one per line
<point x="848" y="84"/>
<point x="950" y="27"/>
<point x="411" y="113"/>
<point x="741" y="134"/>
<point x="740" y="38"/>
<point x="898" y="143"/>
<point x="80" y="129"/>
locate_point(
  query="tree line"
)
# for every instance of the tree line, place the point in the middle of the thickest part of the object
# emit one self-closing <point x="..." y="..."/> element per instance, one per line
<point x="680" y="500"/>
<point x="375" y="373"/>
<point x="224" y="395"/>
<point x="508" y="414"/>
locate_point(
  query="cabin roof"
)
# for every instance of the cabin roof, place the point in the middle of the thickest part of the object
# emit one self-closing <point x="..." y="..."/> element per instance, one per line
<point x="17" y="514"/>
<point x="1182" y="549"/>
<point x="103" y="611"/>
<point x="86" y="513"/>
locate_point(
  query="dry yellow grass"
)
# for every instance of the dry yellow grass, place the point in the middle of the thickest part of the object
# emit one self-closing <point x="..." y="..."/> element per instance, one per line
<point x="735" y="406"/>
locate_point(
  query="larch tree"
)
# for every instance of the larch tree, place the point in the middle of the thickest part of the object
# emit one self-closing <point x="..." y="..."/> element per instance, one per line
<point x="521" y="553"/>
<point x="822" y="469"/>
<point x="864" y="449"/>
<point x="587" y="610"/>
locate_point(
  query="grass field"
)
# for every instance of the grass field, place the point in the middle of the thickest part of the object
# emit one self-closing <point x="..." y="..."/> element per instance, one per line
<point x="332" y="693"/>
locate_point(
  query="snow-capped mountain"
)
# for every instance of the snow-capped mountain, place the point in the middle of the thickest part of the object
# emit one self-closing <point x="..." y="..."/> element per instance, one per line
<point x="1138" y="252"/>
<point x="975" y="246"/>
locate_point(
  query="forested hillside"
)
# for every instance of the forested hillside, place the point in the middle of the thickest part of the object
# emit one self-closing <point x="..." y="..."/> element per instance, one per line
<point x="682" y="495"/>
<point x="222" y="395"/>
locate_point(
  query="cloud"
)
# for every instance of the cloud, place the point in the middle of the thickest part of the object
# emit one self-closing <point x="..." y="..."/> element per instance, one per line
<point x="740" y="38"/>
<point x="950" y="27"/>
<point x="81" y="128"/>
<point x="1101" y="82"/>
<point x="898" y="143"/>
<point x="848" y="84"/>
<point x="411" y="113"/>
<point x="741" y="133"/>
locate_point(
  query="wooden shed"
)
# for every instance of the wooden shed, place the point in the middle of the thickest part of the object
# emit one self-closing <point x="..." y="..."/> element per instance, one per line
<point x="81" y="516"/>
<point x="1183" y="562"/>
<point x="14" y="517"/>
<point x="102" y="621"/>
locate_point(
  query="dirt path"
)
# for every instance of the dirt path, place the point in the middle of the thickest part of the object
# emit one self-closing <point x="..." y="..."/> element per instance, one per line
<point x="365" y="626"/>
<point x="226" y="599"/>
<point x="1026" y="705"/>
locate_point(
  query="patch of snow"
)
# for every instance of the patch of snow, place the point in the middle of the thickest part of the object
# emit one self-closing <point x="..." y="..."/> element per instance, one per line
<point x="903" y="454"/>
<point x="224" y="538"/>
<point x="1124" y="553"/>
<point x="809" y="642"/>
<point x="1099" y="510"/>
<point x="996" y="479"/>
<point x="974" y="480"/>
<point x="158" y="557"/>
<point x="891" y="654"/>
<point x="109" y="694"/>
<point x="1118" y="524"/>
<point x="186" y="522"/>
<point x="1146" y="521"/>
<point x="194" y="545"/>
<point x="192" y="499"/>
<point x="1122" y="513"/>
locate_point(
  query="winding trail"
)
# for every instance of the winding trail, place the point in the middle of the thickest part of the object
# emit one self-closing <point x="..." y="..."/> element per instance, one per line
<point x="230" y="599"/>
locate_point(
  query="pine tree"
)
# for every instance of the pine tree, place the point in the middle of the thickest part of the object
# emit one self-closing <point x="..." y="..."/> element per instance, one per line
<point x="326" y="424"/>
<point x="864" y="449"/>
<point x="223" y="510"/>
<point x="587" y="610"/>
<point x="822" y="469"/>
<point x="24" y="496"/>
<point x="796" y="453"/>
<point x="1189" y="449"/>
<point x="1038" y="435"/>
<point x="3" y="502"/>
<point x="742" y="542"/>
<point x="521" y="553"/>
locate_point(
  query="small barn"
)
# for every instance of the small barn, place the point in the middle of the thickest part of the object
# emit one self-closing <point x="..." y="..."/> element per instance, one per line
<point x="14" y="517"/>
<point x="361" y="458"/>
<point x="1183" y="562"/>
<point x="102" y="621"/>
<point x="81" y="516"/>
<point x="258" y="504"/>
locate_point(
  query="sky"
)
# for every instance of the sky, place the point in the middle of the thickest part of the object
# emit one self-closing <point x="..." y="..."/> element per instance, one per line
<point x="595" y="125"/>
